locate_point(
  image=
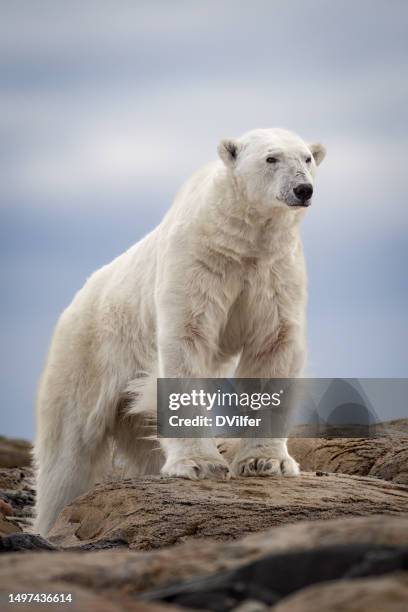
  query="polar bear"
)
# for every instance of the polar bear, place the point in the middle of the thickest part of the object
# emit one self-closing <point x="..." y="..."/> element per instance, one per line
<point x="220" y="283"/>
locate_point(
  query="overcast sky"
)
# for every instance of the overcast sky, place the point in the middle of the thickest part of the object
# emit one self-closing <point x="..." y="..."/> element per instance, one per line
<point x="106" y="107"/>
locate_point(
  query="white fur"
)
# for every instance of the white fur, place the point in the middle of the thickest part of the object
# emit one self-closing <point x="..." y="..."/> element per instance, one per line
<point x="220" y="281"/>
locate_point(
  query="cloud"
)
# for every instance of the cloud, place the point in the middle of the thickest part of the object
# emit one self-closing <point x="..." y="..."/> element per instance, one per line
<point x="147" y="139"/>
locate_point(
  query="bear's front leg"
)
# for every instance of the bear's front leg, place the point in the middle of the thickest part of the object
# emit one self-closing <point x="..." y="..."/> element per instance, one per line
<point x="188" y="334"/>
<point x="279" y="356"/>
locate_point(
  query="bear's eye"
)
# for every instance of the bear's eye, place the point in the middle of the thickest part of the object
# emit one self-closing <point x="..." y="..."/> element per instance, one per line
<point x="308" y="160"/>
<point x="271" y="160"/>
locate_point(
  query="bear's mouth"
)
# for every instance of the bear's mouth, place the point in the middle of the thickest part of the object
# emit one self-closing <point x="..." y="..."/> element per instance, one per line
<point x="291" y="202"/>
<point x="305" y="204"/>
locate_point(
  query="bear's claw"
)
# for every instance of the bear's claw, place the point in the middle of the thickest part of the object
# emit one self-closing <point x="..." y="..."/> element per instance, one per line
<point x="266" y="466"/>
<point x="197" y="469"/>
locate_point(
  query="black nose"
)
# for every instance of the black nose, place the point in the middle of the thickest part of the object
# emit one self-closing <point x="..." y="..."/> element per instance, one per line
<point x="303" y="192"/>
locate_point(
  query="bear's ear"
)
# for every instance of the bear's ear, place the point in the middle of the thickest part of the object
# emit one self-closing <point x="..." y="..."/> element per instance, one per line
<point x="318" y="151"/>
<point x="228" y="150"/>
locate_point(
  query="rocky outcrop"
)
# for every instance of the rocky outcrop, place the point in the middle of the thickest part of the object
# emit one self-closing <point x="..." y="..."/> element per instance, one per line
<point x="16" y="499"/>
<point x="275" y="577"/>
<point x="153" y="512"/>
<point x="386" y="593"/>
<point x="385" y="458"/>
<point x="7" y="526"/>
<point x="335" y="538"/>
<point x="123" y="575"/>
<point x="14" y="452"/>
<point x="24" y="541"/>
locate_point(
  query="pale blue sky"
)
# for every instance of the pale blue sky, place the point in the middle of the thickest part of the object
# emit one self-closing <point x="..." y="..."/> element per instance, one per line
<point x="106" y="107"/>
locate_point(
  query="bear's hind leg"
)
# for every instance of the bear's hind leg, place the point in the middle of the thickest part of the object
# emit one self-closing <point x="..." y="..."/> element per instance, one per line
<point x="64" y="472"/>
<point x="138" y="450"/>
<point x="59" y="480"/>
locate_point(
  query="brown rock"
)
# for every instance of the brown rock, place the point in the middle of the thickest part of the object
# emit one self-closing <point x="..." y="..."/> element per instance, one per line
<point x="121" y="574"/>
<point x="393" y="465"/>
<point x="399" y="427"/>
<point x="15" y="478"/>
<point x="154" y="512"/>
<point x="14" y="452"/>
<point x="385" y="458"/>
<point x="388" y="593"/>
<point x="5" y="508"/>
<point x="82" y="598"/>
<point x="91" y="525"/>
<point x="376" y="530"/>
<point x="8" y="527"/>
<point x="17" y="494"/>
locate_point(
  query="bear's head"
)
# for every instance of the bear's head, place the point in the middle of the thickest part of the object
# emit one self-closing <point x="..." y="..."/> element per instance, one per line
<point x="272" y="167"/>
